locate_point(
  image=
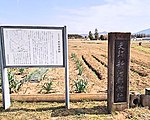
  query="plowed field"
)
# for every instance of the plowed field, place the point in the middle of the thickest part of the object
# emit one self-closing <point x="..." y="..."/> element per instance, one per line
<point x="93" y="57"/>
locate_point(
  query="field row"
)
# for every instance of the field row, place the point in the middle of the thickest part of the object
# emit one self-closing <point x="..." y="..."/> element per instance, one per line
<point x="88" y="69"/>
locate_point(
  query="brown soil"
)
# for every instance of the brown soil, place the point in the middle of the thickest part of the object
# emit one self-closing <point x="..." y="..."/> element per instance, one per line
<point x="95" y="53"/>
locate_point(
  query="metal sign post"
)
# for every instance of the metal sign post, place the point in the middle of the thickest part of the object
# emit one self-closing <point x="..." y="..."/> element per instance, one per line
<point x="66" y="69"/>
<point x="33" y="46"/>
<point x="5" y="87"/>
<point x="4" y="79"/>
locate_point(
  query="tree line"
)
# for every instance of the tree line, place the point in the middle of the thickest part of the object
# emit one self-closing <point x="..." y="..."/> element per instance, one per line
<point x="75" y="36"/>
<point x="140" y="35"/>
<point x="96" y="36"/>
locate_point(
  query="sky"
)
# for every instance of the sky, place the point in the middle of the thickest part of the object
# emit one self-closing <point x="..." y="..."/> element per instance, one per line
<point x="80" y="16"/>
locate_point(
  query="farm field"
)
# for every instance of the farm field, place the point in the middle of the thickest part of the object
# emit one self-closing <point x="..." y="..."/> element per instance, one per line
<point x="95" y="53"/>
<point x="92" y="57"/>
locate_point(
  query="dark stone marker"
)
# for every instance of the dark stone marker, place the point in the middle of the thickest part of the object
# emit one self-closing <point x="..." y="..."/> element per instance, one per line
<point x="147" y="91"/>
<point x="118" y="68"/>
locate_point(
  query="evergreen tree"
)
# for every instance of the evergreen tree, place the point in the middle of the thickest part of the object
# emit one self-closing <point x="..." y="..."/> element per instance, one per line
<point x="90" y="35"/>
<point x="96" y="34"/>
<point x="102" y="37"/>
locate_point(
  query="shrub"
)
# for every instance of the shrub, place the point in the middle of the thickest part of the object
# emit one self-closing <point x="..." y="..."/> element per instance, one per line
<point x="80" y="85"/>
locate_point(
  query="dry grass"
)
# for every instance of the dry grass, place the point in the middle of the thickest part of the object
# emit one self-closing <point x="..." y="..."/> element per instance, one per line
<point x="45" y="111"/>
<point x="86" y="110"/>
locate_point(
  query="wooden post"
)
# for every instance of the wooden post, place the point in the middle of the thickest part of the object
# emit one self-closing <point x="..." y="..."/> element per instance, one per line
<point x="118" y="71"/>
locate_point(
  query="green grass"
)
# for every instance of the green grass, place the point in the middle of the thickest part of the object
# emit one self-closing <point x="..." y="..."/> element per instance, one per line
<point x="142" y="48"/>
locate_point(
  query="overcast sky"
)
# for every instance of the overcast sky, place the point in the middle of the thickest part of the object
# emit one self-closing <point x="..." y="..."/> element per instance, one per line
<point x="80" y="16"/>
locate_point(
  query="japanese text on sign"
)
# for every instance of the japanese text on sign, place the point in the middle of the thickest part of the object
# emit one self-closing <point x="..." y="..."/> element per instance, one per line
<point x="33" y="47"/>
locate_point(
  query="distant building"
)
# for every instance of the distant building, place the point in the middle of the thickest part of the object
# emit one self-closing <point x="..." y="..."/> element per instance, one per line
<point x="146" y="38"/>
<point x="139" y="39"/>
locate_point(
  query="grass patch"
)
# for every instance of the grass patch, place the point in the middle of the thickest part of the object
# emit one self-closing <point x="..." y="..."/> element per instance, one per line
<point x="142" y="48"/>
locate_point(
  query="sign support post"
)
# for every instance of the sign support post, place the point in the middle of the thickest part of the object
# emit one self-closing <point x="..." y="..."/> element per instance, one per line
<point x="5" y="89"/>
<point x="66" y="70"/>
<point x="4" y="79"/>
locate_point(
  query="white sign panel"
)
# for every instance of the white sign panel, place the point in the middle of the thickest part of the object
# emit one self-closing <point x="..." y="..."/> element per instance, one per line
<point x="29" y="47"/>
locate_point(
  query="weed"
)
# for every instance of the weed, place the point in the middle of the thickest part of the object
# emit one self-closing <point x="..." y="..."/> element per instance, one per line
<point x="80" y="70"/>
<point x="47" y="87"/>
<point x="73" y="56"/>
<point x="36" y="75"/>
<point x="80" y="85"/>
<point x="21" y="70"/>
<point x="78" y="64"/>
<point x="14" y="85"/>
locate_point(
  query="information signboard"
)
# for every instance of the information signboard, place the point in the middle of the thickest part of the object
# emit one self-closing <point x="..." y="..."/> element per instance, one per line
<point x="32" y="46"/>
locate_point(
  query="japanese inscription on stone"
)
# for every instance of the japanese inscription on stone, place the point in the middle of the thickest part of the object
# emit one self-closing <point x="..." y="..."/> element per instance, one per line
<point x="33" y="46"/>
<point x="120" y="71"/>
